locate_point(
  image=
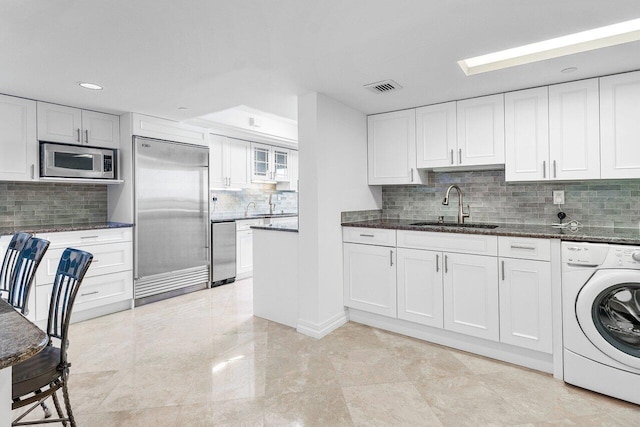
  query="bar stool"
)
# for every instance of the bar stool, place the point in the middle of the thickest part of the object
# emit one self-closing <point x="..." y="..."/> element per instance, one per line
<point x="18" y="241"/>
<point x="42" y="375"/>
<point x="24" y="272"/>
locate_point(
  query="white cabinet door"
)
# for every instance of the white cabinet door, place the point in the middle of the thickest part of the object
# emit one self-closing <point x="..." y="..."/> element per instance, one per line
<point x="574" y="130"/>
<point x="480" y="136"/>
<point x="370" y="278"/>
<point x="420" y="286"/>
<point x="280" y="166"/>
<point x="217" y="161"/>
<point x="18" y="143"/>
<point x="620" y="126"/>
<point x="391" y="148"/>
<point x="100" y="129"/>
<point x="244" y="253"/>
<point x="526" y="125"/>
<point x="238" y="163"/>
<point x="261" y="158"/>
<point x="436" y="135"/>
<point x="525" y="304"/>
<point x="471" y="295"/>
<point x="295" y="170"/>
<point x="57" y="123"/>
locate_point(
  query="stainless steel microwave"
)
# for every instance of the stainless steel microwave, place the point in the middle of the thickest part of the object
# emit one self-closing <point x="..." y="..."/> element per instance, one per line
<point x="77" y="161"/>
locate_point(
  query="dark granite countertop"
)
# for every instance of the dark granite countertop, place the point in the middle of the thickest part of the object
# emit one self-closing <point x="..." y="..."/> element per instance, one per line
<point x="62" y="227"/>
<point x="19" y="338"/>
<point x="628" y="236"/>
<point x="291" y="227"/>
<point x="239" y="217"/>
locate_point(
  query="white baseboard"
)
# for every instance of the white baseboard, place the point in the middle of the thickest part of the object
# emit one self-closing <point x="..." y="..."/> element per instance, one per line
<point x="319" y="330"/>
<point x="495" y="350"/>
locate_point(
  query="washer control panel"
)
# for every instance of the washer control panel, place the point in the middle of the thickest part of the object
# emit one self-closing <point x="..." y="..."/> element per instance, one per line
<point x="584" y="254"/>
<point x="623" y="257"/>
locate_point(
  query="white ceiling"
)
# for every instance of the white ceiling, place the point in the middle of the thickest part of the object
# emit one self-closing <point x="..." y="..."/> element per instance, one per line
<point x="153" y="56"/>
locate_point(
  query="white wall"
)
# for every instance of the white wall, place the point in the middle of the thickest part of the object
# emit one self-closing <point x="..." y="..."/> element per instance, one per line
<point x="333" y="178"/>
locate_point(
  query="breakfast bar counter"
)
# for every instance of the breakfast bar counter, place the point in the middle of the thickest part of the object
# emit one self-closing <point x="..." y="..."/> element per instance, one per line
<point x="19" y="340"/>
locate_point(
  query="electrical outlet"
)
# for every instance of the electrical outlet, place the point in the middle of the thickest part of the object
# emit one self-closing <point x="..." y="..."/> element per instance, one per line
<point x="558" y="197"/>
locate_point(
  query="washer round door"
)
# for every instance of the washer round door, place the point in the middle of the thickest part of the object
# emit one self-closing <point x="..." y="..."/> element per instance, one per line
<point x="608" y="311"/>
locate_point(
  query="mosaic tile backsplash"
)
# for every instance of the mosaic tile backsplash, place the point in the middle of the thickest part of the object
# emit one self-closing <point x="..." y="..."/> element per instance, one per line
<point x="235" y="202"/>
<point x="29" y="204"/>
<point x="610" y="203"/>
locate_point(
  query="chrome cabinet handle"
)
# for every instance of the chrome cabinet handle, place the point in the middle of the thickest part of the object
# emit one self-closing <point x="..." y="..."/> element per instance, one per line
<point x="366" y="235"/>
<point x="89" y="293"/>
<point x="446" y="264"/>
<point x="529" y="248"/>
<point x="437" y="263"/>
<point x="452" y="156"/>
<point x="86" y="136"/>
<point x="460" y="156"/>
<point x="554" y="168"/>
<point x="391" y="258"/>
<point x="89" y="237"/>
<point x="544" y="168"/>
<point x="503" y="270"/>
<point x="411" y="174"/>
<point x="78" y="134"/>
<point x="33" y="171"/>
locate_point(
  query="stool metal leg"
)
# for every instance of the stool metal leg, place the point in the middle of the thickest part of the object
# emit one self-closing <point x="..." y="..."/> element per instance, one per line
<point x="56" y="402"/>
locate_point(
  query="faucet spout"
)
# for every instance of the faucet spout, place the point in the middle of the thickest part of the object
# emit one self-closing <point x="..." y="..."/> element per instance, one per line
<point x="461" y="213"/>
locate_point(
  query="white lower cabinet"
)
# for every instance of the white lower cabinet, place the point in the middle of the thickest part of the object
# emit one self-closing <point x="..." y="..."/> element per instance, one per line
<point x="471" y="295"/>
<point x="525" y="304"/>
<point x="419" y="279"/>
<point x="370" y="278"/>
<point x="244" y="253"/>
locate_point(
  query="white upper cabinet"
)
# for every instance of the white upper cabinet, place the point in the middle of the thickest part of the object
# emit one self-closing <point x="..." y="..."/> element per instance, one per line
<point x="526" y="115"/>
<point x="68" y="125"/>
<point x="100" y="129"/>
<point x="620" y="126"/>
<point x="480" y="134"/>
<point x="229" y="162"/>
<point x="155" y="127"/>
<point x="57" y="123"/>
<point x="574" y="131"/>
<point x="270" y="164"/>
<point x="18" y="143"/>
<point x="436" y="135"/>
<point x="391" y="148"/>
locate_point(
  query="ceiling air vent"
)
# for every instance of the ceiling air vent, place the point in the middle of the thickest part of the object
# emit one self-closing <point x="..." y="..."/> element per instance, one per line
<point x="383" y="86"/>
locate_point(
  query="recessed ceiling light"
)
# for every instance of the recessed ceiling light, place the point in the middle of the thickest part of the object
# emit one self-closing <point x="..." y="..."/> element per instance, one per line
<point x="611" y="35"/>
<point x="569" y="70"/>
<point x="91" y="86"/>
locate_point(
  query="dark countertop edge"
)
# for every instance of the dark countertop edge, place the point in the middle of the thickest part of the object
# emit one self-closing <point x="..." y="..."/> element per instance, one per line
<point x="580" y="235"/>
<point x="29" y="343"/>
<point x="275" y="228"/>
<point x="242" y="217"/>
<point x="5" y="231"/>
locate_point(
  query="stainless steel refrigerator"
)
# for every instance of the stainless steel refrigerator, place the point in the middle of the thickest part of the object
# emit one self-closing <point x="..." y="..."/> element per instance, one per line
<point x="171" y="234"/>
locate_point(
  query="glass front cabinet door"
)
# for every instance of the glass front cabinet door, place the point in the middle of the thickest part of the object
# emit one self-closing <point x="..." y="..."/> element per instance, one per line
<point x="270" y="164"/>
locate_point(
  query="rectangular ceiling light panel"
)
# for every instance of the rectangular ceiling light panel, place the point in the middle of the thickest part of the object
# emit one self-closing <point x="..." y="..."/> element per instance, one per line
<point x="611" y="35"/>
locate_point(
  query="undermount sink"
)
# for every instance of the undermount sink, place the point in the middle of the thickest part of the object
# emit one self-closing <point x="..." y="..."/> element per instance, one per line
<point x="452" y="224"/>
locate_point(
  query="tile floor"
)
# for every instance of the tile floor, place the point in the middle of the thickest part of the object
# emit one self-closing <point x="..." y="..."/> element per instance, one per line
<point x="203" y="359"/>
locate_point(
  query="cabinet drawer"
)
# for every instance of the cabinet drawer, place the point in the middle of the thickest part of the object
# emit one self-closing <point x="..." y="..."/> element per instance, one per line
<point x="110" y="258"/>
<point x="246" y="224"/>
<point x="78" y="239"/>
<point x="371" y="236"/>
<point x="94" y="292"/>
<point x="462" y="243"/>
<point x="524" y="248"/>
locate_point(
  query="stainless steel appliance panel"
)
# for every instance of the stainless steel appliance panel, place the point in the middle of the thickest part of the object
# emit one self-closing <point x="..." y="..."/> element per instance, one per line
<point x="223" y="251"/>
<point x="172" y="207"/>
<point x="71" y="161"/>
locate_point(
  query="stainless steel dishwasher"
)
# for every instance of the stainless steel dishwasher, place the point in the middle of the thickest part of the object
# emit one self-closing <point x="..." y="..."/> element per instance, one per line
<point x="223" y="253"/>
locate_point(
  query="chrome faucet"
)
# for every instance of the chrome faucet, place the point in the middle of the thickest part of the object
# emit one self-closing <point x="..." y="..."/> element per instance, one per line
<point x="461" y="214"/>
<point x="272" y="206"/>
<point x="246" y="210"/>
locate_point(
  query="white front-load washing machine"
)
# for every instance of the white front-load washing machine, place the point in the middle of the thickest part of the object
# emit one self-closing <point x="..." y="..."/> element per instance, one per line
<point x="601" y="318"/>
